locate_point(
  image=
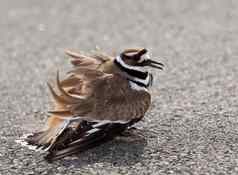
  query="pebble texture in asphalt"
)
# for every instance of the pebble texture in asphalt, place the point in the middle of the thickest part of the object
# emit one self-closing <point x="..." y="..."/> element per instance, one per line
<point x="192" y="125"/>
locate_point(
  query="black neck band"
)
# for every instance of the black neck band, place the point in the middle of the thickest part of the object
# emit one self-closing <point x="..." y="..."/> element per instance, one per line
<point x="142" y="84"/>
<point x="131" y="72"/>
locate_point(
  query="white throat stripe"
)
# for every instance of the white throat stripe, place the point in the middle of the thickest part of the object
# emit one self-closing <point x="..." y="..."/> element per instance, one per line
<point x="142" y="81"/>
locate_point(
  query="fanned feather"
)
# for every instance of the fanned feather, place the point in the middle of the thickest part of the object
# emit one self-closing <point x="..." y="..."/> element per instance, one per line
<point x="64" y="94"/>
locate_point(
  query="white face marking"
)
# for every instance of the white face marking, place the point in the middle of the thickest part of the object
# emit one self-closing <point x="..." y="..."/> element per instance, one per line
<point x="144" y="57"/>
<point x="136" y="68"/>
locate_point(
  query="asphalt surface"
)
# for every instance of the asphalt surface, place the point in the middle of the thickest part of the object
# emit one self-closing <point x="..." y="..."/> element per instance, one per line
<point x="192" y="125"/>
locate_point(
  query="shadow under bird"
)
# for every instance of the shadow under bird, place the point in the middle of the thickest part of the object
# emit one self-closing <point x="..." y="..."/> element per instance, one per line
<point x="99" y="99"/>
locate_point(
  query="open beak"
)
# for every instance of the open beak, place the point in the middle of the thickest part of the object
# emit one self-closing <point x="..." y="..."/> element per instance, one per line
<point x="153" y="64"/>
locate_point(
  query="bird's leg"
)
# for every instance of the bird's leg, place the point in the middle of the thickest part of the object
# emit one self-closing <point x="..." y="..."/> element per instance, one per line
<point x="130" y="129"/>
<point x="129" y="132"/>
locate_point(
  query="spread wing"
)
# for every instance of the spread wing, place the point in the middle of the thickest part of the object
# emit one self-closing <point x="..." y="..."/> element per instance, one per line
<point x="97" y="96"/>
<point x="92" y="61"/>
<point x="87" y="136"/>
<point x="105" y="102"/>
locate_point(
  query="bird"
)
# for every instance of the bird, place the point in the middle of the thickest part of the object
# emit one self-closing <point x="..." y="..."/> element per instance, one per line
<point x="100" y="98"/>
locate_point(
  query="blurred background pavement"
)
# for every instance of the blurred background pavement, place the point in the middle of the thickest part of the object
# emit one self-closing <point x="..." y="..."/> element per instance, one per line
<point x="192" y="126"/>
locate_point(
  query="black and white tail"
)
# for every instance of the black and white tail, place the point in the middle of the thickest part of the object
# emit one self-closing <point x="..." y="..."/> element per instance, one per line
<point x="89" y="136"/>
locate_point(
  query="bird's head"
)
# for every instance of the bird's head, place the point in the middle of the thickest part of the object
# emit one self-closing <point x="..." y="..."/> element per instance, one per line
<point x="139" y="57"/>
<point x="133" y="62"/>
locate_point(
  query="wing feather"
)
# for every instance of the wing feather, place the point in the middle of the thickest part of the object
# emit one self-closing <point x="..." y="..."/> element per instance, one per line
<point x="110" y="97"/>
<point x="101" y="97"/>
<point x="92" y="61"/>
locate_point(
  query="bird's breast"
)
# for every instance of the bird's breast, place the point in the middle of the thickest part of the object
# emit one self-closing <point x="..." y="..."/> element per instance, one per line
<point x="128" y="107"/>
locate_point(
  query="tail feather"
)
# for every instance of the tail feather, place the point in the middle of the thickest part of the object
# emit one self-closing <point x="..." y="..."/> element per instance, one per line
<point x="44" y="140"/>
<point x="65" y="141"/>
<point x="83" y="145"/>
<point x="91" y="138"/>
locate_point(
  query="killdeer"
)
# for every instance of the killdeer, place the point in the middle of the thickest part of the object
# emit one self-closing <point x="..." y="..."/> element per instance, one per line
<point x="100" y="98"/>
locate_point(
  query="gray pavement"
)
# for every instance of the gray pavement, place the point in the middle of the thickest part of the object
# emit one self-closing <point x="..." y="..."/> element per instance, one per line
<point x="192" y="126"/>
